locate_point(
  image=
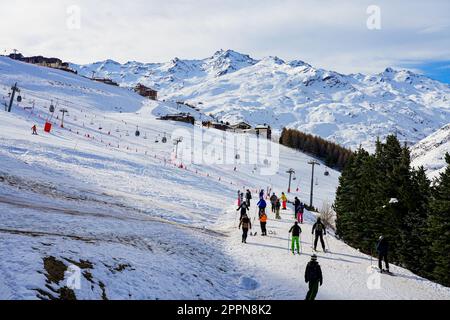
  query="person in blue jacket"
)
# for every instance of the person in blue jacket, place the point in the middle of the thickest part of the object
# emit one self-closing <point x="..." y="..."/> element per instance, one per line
<point x="262" y="205"/>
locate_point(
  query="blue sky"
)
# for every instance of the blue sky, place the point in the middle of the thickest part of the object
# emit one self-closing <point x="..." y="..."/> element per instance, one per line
<point x="330" y="34"/>
<point x="438" y="70"/>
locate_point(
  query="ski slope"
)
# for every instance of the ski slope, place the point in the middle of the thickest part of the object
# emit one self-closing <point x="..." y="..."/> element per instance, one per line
<point x="94" y="203"/>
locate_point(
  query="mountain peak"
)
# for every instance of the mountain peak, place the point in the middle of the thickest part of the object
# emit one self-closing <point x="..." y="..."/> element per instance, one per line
<point x="227" y="61"/>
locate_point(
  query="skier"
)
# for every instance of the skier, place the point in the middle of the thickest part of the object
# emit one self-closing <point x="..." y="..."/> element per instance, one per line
<point x="277" y="209"/>
<point x="313" y="276"/>
<point x="261" y="194"/>
<point x="297" y="204"/>
<point x="34" y="129"/>
<point x="248" y="197"/>
<point x="263" y="220"/>
<point x="246" y="225"/>
<point x="383" y="250"/>
<point x="239" y="198"/>
<point x="284" y="200"/>
<point x="243" y="207"/>
<point x="302" y="211"/>
<point x="319" y="231"/>
<point x="262" y="205"/>
<point x="273" y="201"/>
<point x="296" y="231"/>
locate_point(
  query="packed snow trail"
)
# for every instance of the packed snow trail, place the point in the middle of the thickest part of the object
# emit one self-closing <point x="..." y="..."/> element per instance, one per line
<point x="275" y="273"/>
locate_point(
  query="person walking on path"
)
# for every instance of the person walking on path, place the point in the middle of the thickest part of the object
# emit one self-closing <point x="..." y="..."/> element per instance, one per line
<point x="261" y="194"/>
<point x="263" y="221"/>
<point x="277" y="209"/>
<point x="243" y="207"/>
<point x="313" y="276"/>
<point x="383" y="250"/>
<point x="273" y="201"/>
<point x="284" y="201"/>
<point x="262" y="205"/>
<point x="301" y="212"/>
<point x="248" y="198"/>
<point x="319" y="231"/>
<point x="297" y="204"/>
<point x="296" y="231"/>
<point x="246" y="225"/>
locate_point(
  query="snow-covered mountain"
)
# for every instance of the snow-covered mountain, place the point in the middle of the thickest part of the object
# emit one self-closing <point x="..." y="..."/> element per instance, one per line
<point x="430" y="152"/>
<point x="349" y="109"/>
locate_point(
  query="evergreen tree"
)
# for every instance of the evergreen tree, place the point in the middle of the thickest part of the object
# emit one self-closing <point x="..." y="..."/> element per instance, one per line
<point x="439" y="226"/>
<point x="415" y="240"/>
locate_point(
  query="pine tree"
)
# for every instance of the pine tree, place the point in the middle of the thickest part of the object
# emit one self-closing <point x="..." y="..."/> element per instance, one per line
<point x="439" y="226"/>
<point x="415" y="253"/>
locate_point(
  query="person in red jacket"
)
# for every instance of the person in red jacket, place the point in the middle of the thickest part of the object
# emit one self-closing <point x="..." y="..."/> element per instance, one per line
<point x="34" y="129"/>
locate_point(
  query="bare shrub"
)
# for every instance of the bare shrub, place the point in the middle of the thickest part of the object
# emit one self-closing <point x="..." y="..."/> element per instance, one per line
<point x="328" y="216"/>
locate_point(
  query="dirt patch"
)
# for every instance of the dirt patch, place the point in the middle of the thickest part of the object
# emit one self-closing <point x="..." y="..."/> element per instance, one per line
<point x="123" y="267"/>
<point x="55" y="273"/>
<point x="55" y="270"/>
<point x="102" y="286"/>
<point x="83" y="264"/>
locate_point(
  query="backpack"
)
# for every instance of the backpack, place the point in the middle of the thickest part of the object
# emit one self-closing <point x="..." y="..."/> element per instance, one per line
<point x="319" y="227"/>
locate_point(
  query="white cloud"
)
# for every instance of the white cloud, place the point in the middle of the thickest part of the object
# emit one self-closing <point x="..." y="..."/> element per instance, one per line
<point x="331" y="34"/>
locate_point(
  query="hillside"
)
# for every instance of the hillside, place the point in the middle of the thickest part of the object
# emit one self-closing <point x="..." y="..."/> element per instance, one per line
<point x="119" y="208"/>
<point x="430" y="152"/>
<point x="347" y="109"/>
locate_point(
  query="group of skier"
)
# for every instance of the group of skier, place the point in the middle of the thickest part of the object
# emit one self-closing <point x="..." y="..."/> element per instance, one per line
<point x="313" y="273"/>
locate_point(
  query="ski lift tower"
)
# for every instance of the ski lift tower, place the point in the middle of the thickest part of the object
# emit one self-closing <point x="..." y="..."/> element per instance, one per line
<point x="313" y="164"/>
<point x="176" y="142"/>
<point x="64" y="111"/>
<point x="290" y="172"/>
<point x="14" y="90"/>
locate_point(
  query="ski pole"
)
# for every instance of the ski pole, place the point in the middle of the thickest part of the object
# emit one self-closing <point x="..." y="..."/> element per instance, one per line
<point x="326" y="239"/>
<point x="289" y="242"/>
<point x="301" y="248"/>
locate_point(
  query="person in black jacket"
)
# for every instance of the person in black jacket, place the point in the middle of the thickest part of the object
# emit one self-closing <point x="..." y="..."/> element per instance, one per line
<point x="383" y="250"/>
<point x="297" y="205"/>
<point x="248" y="198"/>
<point x="313" y="276"/>
<point x="296" y="231"/>
<point x="244" y="208"/>
<point x="319" y="230"/>
<point x="273" y="201"/>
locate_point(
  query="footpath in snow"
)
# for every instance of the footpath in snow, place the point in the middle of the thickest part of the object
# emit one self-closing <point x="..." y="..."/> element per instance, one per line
<point x="273" y="272"/>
